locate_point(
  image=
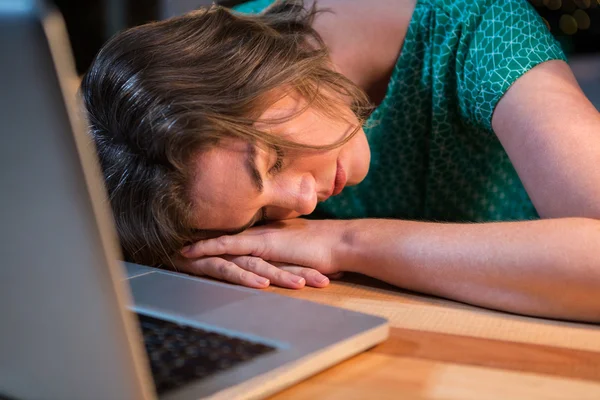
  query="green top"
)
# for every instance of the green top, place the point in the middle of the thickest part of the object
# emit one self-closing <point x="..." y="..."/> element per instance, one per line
<point x="434" y="153"/>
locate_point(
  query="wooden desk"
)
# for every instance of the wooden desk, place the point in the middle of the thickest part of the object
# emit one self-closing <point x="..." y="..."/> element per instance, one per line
<point x="440" y="349"/>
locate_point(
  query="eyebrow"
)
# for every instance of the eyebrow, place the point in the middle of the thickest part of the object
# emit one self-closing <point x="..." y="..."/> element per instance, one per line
<point x="257" y="181"/>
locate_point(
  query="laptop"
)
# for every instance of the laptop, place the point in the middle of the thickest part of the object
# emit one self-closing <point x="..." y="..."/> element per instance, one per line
<point x="76" y="323"/>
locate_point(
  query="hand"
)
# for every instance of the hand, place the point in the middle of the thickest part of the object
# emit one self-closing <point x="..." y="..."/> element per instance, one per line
<point x="253" y="272"/>
<point x="310" y="243"/>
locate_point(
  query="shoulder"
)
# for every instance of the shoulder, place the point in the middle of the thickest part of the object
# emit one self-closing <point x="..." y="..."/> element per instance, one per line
<point x="469" y="10"/>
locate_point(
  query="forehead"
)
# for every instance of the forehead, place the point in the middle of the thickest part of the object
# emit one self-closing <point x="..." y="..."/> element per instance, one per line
<point x="284" y="107"/>
<point x="295" y="119"/>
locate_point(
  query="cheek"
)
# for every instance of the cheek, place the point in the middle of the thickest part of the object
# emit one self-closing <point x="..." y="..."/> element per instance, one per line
<point x="315" y="163"/>
<point x="359" y="155"/>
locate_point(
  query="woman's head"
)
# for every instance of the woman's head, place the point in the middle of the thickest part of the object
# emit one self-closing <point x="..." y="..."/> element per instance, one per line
<point x="192" y="114"/>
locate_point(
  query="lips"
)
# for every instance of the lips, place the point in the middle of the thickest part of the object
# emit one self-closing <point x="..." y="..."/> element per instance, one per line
<point x="340" y="179"/>
<point x="338" y="184"/>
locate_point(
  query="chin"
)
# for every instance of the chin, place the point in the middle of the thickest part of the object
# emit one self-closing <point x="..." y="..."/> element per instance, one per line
<point x="357" y="176"/>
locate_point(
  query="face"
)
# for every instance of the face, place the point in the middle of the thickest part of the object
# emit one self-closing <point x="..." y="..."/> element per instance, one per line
<point x="236" y="184"/>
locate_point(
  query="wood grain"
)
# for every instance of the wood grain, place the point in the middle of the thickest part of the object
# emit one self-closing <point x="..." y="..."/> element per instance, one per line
<point x="410" y="310"/>
<point x="440" y="349"/>
<point x="382" y="377"/>
<point x="497" y="354"/>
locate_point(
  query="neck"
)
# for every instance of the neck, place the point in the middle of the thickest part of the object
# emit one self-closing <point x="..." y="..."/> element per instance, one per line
<point x="364" y="41"/>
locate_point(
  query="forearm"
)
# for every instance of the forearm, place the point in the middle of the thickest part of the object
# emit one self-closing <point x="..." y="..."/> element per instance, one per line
<point x="545" y="268"/>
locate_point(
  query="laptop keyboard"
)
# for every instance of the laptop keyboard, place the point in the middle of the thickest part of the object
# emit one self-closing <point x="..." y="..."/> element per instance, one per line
<point x="180" y="354"/>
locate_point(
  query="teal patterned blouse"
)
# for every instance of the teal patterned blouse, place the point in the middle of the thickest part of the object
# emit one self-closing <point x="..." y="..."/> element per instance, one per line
<point x="434" y="153"/>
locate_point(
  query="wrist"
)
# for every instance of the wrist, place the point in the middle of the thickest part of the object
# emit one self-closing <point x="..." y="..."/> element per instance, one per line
<point x="348" y="254"/>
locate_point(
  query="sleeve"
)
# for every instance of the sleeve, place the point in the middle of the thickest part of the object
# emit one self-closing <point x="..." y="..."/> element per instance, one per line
<point x="502" y="40"/>
<point x="253" y="6"/>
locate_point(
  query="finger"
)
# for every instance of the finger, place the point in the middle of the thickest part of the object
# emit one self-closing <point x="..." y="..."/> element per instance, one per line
<point x="337" y="275"/>
<point x="277" y="276"/>
<point x="219" y="268"/>
<point x="237" y="245"/>
<point x="313" y="277"/>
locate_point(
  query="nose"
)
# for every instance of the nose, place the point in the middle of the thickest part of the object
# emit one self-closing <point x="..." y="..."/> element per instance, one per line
<point x="297" y="195"/>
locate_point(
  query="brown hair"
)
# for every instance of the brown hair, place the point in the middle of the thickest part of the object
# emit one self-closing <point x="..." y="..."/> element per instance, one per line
<point x="158" y="93"/>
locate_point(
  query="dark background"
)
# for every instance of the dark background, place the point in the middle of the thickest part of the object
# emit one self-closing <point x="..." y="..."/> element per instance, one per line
<point x="91" y="22"/>
<point x="575" y="23"/>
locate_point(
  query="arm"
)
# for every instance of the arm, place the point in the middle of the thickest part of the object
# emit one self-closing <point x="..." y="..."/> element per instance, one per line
<point x="546" y="268"/>
<point x="551" y="133"/>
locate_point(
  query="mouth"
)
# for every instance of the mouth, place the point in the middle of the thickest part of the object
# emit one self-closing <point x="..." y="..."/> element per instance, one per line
<point x="340" y="179"/>
<point x="338" y="184"/>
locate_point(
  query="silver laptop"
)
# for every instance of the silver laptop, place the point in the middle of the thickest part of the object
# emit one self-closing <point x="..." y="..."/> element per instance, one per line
<point x="75" y="323"/>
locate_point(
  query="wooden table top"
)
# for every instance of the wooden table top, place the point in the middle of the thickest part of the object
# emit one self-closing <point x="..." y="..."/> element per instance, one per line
<point x="440" y="349"/>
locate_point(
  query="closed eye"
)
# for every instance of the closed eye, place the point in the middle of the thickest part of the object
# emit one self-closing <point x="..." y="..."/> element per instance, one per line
<point x="278" y="166"/>
<point x="263" y="217"/>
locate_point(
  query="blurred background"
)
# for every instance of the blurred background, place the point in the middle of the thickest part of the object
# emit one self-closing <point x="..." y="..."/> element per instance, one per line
<point x="91" y="22"/>
<point x="575" y="23"/>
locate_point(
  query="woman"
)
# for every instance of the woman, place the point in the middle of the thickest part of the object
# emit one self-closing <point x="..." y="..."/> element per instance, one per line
<point x="211" y="123"/>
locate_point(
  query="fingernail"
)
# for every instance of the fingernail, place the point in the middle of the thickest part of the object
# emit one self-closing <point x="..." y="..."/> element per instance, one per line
<point x="323" y="280"/>
<point x="298" y="279"/>
<point x="186" y="249"/>
<point x="262" y="281"/>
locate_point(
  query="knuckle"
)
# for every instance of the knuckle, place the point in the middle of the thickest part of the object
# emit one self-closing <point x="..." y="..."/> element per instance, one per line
<point x="279" y="274"/>
<point x="244" y="276"/>
<point x="252" y="262"/>
<point x="223" y="268"/>
<point x="264" y="245"/>
<point x="223" y="241"/>
<point x="196" y="267"/>
<point x="189" y="268"/>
